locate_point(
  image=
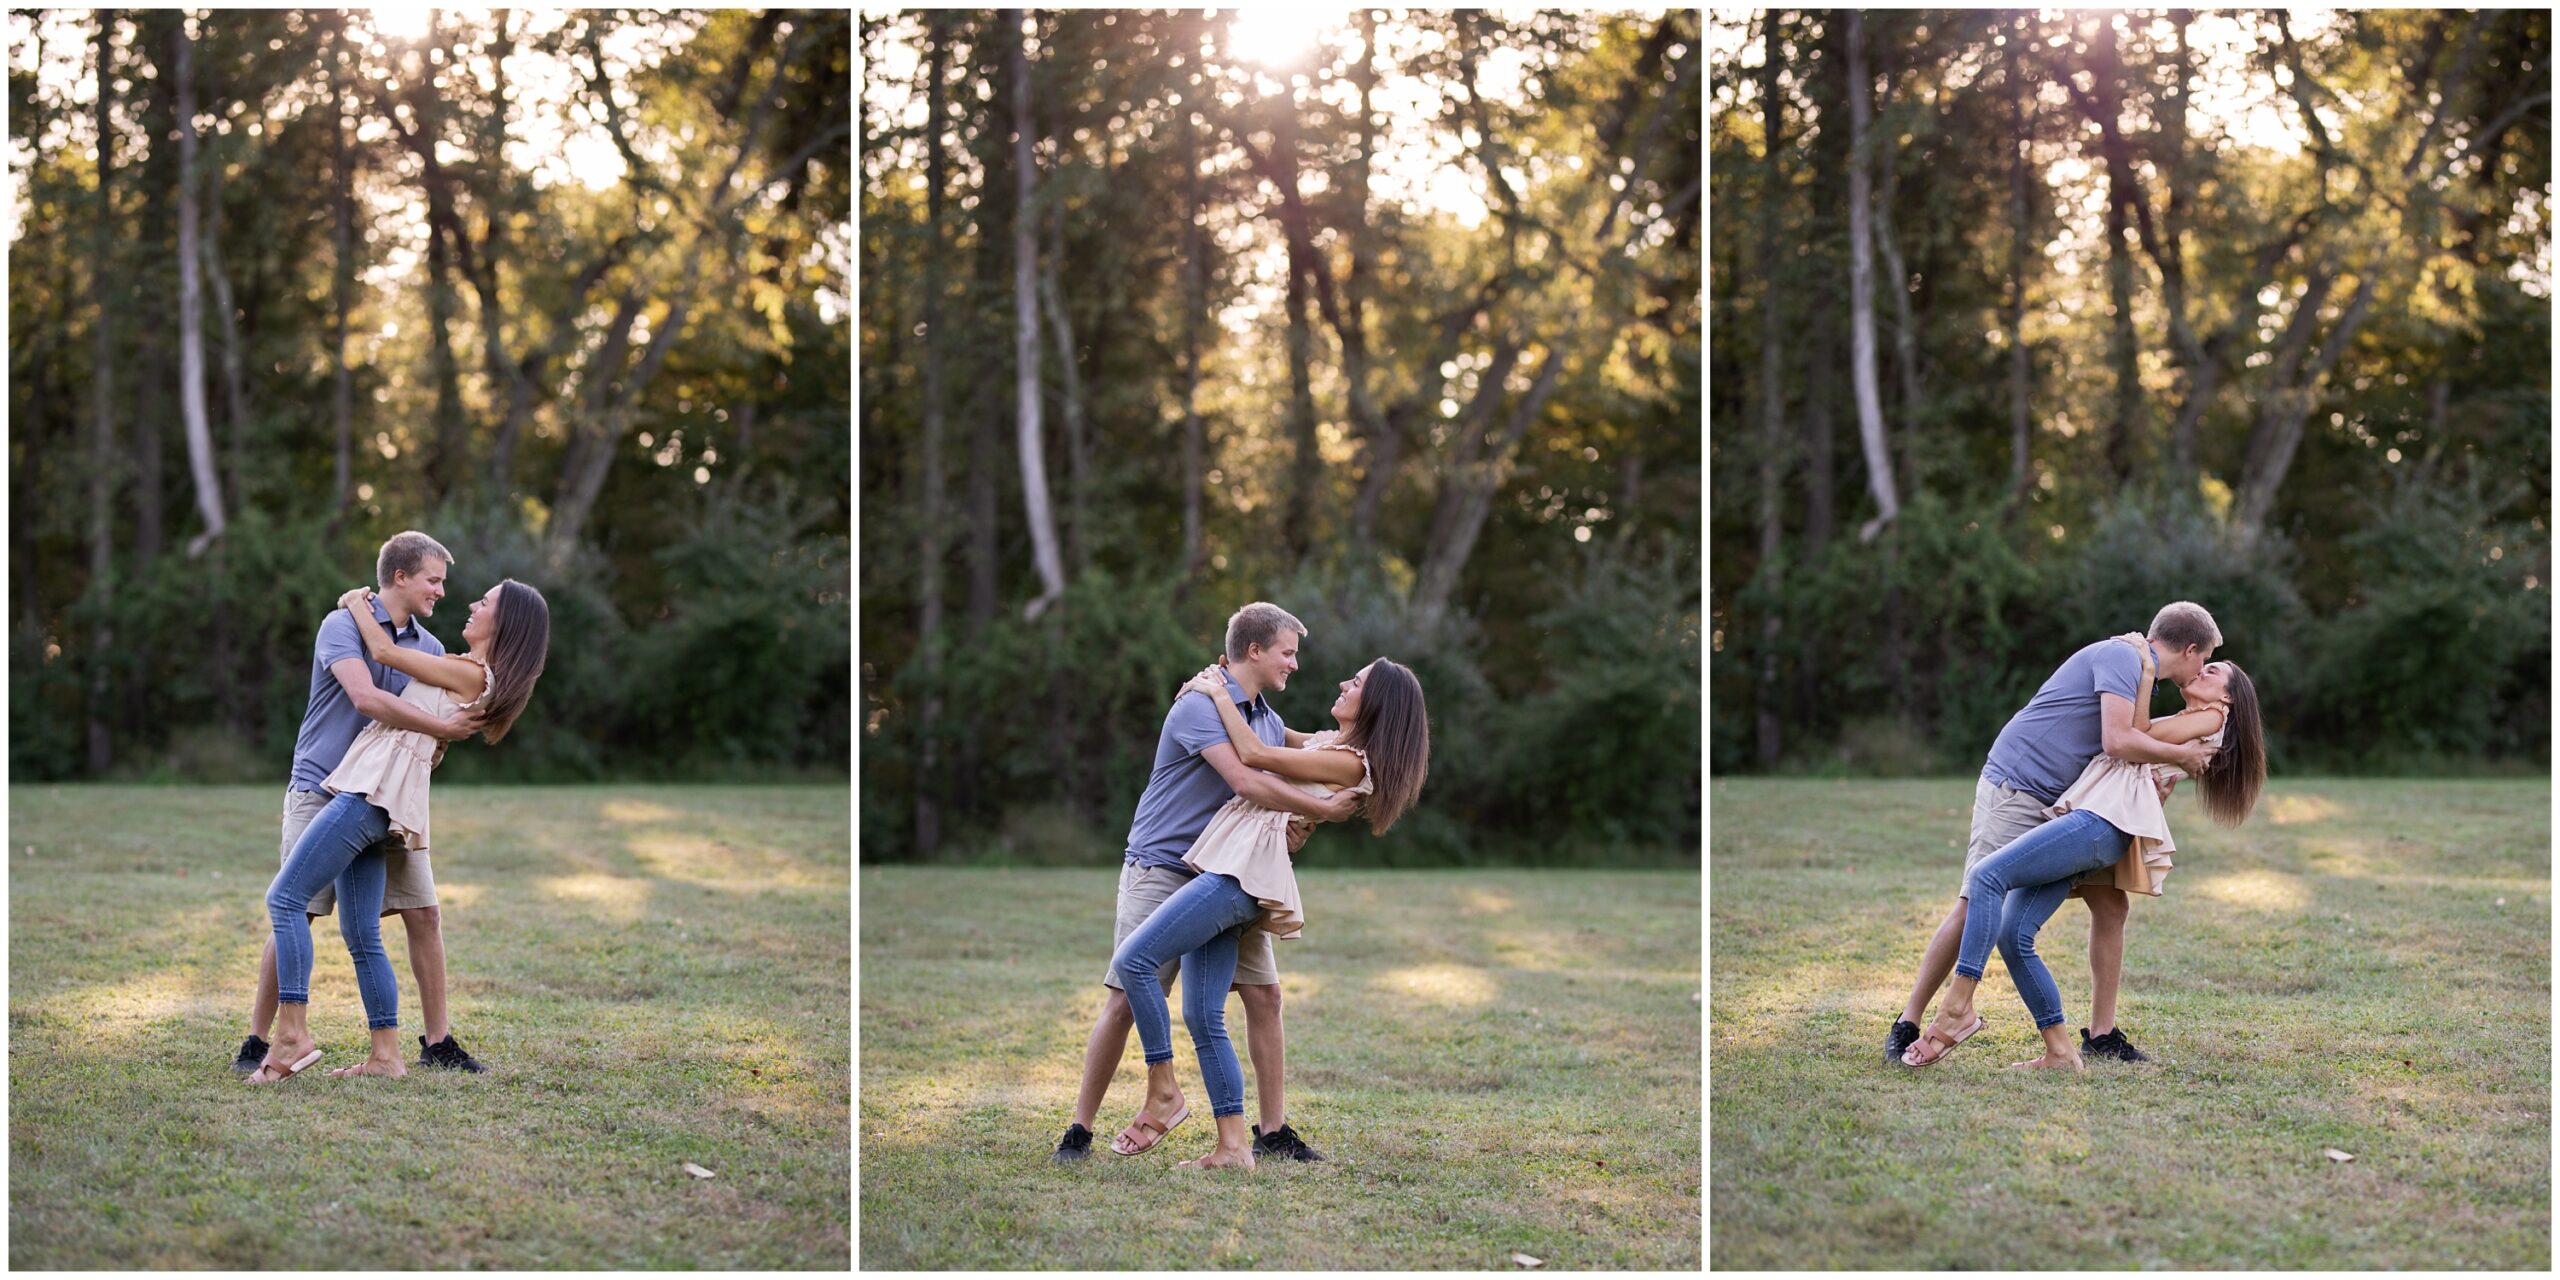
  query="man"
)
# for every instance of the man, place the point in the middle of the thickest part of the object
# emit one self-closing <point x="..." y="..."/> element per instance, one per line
<point x="2083" y="709"/>
<point x="348" y="688"/>
<point x="1196" y="773"/>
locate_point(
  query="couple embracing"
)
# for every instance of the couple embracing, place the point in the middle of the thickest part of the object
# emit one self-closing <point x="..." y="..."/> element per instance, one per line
<point x="1206" y="881"/>
<point x="386" y="699"/>
<point x="2071" y="803"/>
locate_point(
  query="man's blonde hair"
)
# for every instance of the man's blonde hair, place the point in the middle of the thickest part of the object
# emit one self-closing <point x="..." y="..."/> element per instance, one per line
<point x="2184" y="622"/>
<point x="1259" y="623"/>
<point x="405" y="551"/>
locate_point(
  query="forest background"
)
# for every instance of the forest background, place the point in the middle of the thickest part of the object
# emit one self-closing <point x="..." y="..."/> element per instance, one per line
<point x="565" y="289"/>
<point x="2028" y="323"/>
<point x="1390" y="319"/>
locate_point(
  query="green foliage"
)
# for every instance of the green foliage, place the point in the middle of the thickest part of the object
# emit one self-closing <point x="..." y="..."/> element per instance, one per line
<point x="2445" y="651"/>
<point x="751" y="662"/>
<point x="2441" y="653"/>
<point x="695" y="631"/>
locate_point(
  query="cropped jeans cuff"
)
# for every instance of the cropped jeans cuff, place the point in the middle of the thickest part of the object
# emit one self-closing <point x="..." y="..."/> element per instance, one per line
<point x="1153" y="1059"/>
<point x="1962" y="972"/>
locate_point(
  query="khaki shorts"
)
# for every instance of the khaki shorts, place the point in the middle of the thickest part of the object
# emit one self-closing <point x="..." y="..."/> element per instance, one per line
<point x="1142" y="890"/>
<point x="2002" y="814"/>
<point x="411" y="880"/>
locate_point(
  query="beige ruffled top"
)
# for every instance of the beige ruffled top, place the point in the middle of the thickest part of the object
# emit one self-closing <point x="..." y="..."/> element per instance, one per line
<point x="1251" y="843"/>
<point x="2128" y="795"/>
<point x="390" y="766"/>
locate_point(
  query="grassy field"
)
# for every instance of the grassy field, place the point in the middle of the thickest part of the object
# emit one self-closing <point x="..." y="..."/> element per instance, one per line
<point x="1496" y="1062"/>
<point x="2364" y="966"/>
<point x="657" y="975"/>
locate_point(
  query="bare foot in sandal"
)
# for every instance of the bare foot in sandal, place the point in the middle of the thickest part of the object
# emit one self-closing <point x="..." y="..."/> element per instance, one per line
<point x="1163" y="1113"/>
<point x="391" y="1067"/>
<point x="1952" y="1027"/>
<point x="281" y="1057"/>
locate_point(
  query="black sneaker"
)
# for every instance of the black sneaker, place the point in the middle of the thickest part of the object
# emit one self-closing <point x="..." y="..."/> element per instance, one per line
<point x="1283" y="1141"/>
<point x="2111" y="1045"/>
<point x="447" y="1055"/>
<point x="1905" y="1034"/>
<point x="1075" y="1146"/>
<point x="252" y="1052"/>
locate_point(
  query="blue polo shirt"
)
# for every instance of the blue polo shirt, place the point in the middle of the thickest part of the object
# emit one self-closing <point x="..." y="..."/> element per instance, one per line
<point x="331" y="722"/>
<point x="2043" y="748"/>
<point x="1185" y="791"/>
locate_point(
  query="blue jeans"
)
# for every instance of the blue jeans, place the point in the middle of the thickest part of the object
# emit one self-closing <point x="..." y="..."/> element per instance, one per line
<point x="2013" y="892"/>
<point x="1200" y="924"/>
<point x="337" y="847"/>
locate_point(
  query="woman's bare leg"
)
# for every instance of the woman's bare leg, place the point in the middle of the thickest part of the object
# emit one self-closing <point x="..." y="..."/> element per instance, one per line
<point x="293" y="1041"/>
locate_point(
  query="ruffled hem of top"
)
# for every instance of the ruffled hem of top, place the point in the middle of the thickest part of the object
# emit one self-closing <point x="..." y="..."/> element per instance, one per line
<point x="408" y="820"/>
<point x="1228" y="841"/>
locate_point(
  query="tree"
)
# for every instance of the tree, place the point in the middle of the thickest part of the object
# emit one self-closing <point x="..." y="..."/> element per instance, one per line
<point x="1026" y="327"/>
<point x="342" y="279"/>
<point x="190" y="304"/>
<point x="928" y="811"/>
<point x="1773" y="414"/>
<point x="1862" y="304"/>
<point x="102" y="438"/>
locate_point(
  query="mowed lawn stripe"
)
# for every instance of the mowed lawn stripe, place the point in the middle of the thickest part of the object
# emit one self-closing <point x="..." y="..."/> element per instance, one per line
<point x="1495" y="1061"/>
<point x="2363" y="966"/>
<point x="657" y="974"/>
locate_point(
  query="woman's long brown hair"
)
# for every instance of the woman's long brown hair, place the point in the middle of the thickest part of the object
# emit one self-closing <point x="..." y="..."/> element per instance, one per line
<point x="519" y="643"/>
<point x="2231" y="780"/>
<point x="1395" y="732"/>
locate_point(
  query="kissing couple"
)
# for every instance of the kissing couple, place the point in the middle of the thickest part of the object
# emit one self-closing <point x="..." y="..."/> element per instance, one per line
<point x="1207" y="882"/>
<point x="2072" y="804"/>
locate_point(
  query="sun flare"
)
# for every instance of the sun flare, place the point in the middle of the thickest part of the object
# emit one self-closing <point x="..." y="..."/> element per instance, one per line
<point x="1281" y="35"/>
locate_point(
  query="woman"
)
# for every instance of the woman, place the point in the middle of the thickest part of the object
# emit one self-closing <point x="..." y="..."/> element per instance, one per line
<point x="2112" y="814"/>
<point x="381" y="788"/>
<point x="1382" y="751"/>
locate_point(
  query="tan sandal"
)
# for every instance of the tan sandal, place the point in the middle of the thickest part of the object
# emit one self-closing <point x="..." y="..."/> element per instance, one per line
<point x="1132" y="1134"/>
<point x="290" y="1070"/>
<point x="1934" y="1034"/>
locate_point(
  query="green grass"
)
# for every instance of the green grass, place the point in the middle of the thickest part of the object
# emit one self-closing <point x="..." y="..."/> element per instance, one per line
<point x="657" y="975"/>
<point x="2365" y="965"/>
<point x="1495" y="1061"/>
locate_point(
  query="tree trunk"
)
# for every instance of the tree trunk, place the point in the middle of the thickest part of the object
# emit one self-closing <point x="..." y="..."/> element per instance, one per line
<point x="1906" y="357"/>
<point x="2021" y="371"/>
<point x="1194" y="247"/>
<point x="1306" y="467"/>
<point x="1467" y="496"/>
<point x="1773" y="427"/>
<point x="1071" y="398"/>
<point x="200" y="460"/>
<point x="445" y="469"/>
<point x="1382" y="441"/>
<point x="1862" y="306"/>
<point x="2183" y="347"/>
<point x="102" y="438"/>
<point x="235" y="392"/>
<point x="1026" y="333"/>
<point x="928" y="810"/>
<point x="2277" y="431"/>
<point x="2124" y="418"/>
<point x="342" y="394"/>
